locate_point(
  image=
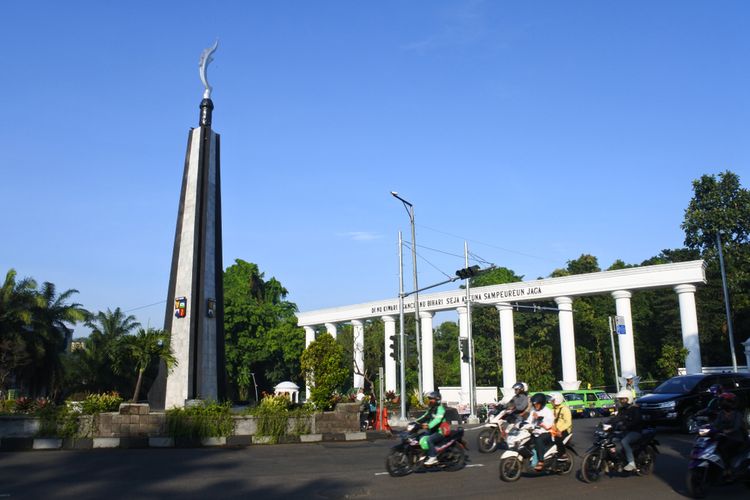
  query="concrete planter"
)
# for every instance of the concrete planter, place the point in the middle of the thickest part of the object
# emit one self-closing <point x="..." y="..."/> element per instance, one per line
<point x="18" y="426"/>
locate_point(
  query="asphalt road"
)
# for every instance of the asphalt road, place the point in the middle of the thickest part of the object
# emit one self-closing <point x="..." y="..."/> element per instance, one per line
<point x="320" y="470"/>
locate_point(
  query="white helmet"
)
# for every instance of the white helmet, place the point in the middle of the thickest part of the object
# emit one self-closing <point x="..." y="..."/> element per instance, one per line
<point x="625" y="394"/>
<point x="557" y="398"/>
<point x="627" y="375"/>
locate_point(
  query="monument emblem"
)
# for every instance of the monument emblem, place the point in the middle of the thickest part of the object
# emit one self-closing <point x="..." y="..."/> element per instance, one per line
<point x="195" y="297"/>
<point x="206" y="59"/>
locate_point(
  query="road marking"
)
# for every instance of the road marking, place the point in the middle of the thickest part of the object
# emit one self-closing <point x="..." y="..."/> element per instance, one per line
<point x="380" y="473"/>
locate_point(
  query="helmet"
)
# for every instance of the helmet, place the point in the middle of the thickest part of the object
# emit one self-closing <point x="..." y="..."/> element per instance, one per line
<point x="716" y="389"/>
<point x="434" y="398"/>
<point x="627" y="375"/>
<point x="727" y="400"/>
<point x="557" y="398"/>
<point x="625" y="394"/>
<point x="539" y="398"/>
<point x="521" y="386"/>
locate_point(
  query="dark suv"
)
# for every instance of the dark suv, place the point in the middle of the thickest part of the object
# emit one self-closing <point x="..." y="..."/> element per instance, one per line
<point x="675" y="401"/>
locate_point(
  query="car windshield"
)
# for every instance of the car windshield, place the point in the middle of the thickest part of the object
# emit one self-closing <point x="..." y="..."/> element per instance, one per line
<point x="602" y="395"/>
<point x="677" y="385"/>
<point x="573" y="397"/>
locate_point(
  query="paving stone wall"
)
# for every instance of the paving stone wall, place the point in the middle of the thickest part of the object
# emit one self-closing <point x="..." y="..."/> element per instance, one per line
<point x="132" y="420"/>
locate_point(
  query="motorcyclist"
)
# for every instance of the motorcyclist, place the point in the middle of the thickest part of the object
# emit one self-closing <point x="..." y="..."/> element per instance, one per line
<point x="712" y="408"/>
<point x="629" y="421"/>
<point x="430" y="421"/>
<point x="730" y="427"/>
<point x="563" y="423"/>
<point x="518" y="407"/>
<point x="544" y="421"/>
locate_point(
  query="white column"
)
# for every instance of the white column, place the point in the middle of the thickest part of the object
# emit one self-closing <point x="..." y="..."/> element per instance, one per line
<point x="358" y="351"/>
<point x="309" y="339"/>
<point x="625" y="341"/>
<point x="747" y="353"/>
<point x="567" y="344"/>
<point x="689" y="323"/>
<point x="428" y="377"/>
<point x="463" y="333"/>
<point x="508" y="346"/>
<point x="331" y="328"/>
<point x="390" y="361"/>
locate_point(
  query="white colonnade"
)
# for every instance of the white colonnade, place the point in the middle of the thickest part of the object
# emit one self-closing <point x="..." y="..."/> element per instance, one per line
<point x="620" y="284"/>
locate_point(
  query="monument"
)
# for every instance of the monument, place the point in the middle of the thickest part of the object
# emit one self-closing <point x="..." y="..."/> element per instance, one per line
<point x="195" y="299"/>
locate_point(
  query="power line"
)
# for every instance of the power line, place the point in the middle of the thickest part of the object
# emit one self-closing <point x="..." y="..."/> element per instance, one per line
<point x="486" y="244"/>
<point x="148" y="305"/>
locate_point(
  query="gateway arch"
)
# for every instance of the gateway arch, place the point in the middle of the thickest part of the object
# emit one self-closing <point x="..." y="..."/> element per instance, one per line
<point x="620" y="284"/>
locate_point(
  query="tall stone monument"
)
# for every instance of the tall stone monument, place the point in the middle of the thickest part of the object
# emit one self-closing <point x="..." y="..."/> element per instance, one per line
<point x="195" y="300"/>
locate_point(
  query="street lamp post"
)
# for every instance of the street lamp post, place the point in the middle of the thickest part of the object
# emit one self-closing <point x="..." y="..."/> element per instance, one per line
<point x="730" y="330"/>
<point x="410" y="210"/>
<point x="402" y="343"/>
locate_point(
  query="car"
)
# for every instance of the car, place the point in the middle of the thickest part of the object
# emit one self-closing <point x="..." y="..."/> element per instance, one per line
<point x="588" y="403"/>
<point x="675" y="401"/>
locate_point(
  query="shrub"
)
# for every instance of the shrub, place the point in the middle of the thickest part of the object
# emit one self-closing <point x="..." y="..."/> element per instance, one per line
<point x="57" y="421"/>
<point x="203" y="421"/>
<point x="273" y="414"/>
<point x="101" y="403"/>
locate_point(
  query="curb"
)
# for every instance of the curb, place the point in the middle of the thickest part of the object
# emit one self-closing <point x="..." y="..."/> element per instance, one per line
<point x="141" y="442"/>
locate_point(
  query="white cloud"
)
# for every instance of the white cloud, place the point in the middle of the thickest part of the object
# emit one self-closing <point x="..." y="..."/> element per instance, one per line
<point x="362" y="235"/>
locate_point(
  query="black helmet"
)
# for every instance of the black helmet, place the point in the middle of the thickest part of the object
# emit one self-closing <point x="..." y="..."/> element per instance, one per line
<point x="521" y="386"/>
<point x="716" y="389"/>
<point x="539" y="398"/>
<point x="434" y="398"/>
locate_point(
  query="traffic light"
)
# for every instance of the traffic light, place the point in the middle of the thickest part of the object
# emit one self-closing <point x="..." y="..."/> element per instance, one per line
<point x="467" y="272"/>
<point x="392" y="346"/>
<point x="463" y="345"/>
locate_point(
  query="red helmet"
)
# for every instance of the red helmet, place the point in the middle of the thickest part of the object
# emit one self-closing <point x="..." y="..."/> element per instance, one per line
<point x="727" y="400"/>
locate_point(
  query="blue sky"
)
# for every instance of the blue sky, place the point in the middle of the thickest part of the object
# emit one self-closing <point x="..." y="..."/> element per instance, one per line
<point x="537" y="131"/>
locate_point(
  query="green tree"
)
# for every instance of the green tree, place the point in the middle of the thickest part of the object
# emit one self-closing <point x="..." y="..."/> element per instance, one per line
<point x="323" y="365"/>
<point x="721" y="206"/>
<point x="17" y="299"/>
<point x="718" y="206"/>
<point x="48" y="338"/>
<point x="92" y="365"/>
<point x="140" y="351"/>
<point x="261" y="332"/>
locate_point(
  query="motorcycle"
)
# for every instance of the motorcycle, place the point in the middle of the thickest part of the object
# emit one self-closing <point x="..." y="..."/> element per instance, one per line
<point x="516" y="459"/>
<point x="494" y="431"/>
<point x="604" y="458"/>
<point x="408" y="456"/>
<point x="706" y="468"/>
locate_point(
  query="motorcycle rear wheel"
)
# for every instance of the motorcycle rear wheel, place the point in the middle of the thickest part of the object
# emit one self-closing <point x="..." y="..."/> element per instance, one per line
<point x="697" y="482"/>
<point x="565" y="467"/>
<point x="454" y="458"/>
<point x="591" y="467"/>
<point x="510" y="469"/>
<point x="645" y="463"/>
<point x="398" y="464"/>
<point x="487" y="440"/>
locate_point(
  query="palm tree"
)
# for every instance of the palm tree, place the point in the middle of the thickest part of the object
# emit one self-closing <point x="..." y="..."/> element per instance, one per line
<point x="49" y="336"/>
<point x="106" y="329"/>
<point x="16" y="304"/>
<point x="143" y="349"/>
